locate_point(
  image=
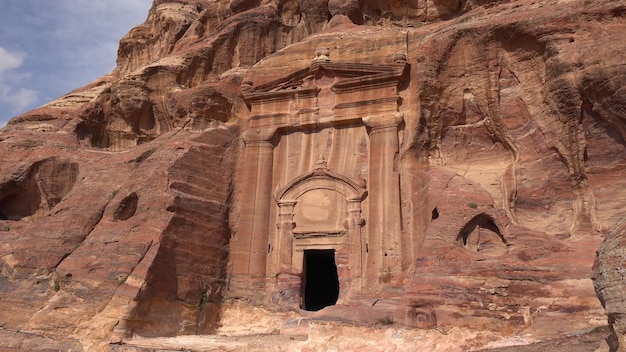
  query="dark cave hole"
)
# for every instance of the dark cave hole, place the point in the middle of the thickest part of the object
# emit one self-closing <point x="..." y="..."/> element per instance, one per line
<point x="482" y="235"/>
<point x="481" y="220"/>
<point x="127" y="207"/>
<point x="19" y="205"/>
<point x="320" y="280"/>
<point x="434" y="214"/>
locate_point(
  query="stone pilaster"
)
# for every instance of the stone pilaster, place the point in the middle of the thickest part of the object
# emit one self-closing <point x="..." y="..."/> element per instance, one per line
<point x="356" y="242"/>
<point x="281" y="254"/>
<point x="249" y="247"/>
<point x="384" y="259"/>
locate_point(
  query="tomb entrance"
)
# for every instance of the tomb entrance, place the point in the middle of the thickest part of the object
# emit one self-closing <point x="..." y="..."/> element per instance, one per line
<point x="319" y="175"/>
<point x="320" y="283"/>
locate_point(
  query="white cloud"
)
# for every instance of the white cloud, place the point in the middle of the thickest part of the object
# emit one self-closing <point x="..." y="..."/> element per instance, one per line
<point x="48" y="48"/>
<point x="20" y="98"/>
<point x="17" y="98"/>
<point x="9" y="61"/>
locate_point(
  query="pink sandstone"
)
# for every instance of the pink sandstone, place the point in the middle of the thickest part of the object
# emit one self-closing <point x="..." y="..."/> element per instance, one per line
<point x="448" y="168"/>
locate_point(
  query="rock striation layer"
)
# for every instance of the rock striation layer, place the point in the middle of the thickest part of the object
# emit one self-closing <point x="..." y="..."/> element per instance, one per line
<point x="454" y="164"/>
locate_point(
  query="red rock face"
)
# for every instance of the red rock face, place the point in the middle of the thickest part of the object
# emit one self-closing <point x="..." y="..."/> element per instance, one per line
<point x="478" y="147"/>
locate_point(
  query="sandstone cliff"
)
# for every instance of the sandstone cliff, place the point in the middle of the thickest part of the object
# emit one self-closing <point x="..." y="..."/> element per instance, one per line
<point x="124" y="202"/>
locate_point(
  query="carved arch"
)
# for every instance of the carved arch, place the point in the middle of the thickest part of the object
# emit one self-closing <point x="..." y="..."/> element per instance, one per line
<point x="340" y="231"/>
<point x="324" y="179"/>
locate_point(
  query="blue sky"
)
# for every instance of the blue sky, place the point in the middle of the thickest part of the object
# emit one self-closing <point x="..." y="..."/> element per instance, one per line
<point x="50" y="47"/>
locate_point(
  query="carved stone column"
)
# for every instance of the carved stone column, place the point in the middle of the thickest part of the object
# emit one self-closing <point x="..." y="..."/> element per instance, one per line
<point x="284" y="287"/>
<point x="384" y="221"/>
<point x="250" y="246"/>
<point x="281" y="254"/>
<point x="357" y="244"/>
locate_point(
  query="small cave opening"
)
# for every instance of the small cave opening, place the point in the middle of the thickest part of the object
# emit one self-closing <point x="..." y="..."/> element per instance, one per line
<point x="42" y="187"/>
<point x="92" y="132"/>
<point x="482" y="235"/>
<point x="434" y="214"/>
<point x="19" y="205"/>
<point x="127" y="207"/>
<point x="319" y="279"/>
<point x="146" y="120"/>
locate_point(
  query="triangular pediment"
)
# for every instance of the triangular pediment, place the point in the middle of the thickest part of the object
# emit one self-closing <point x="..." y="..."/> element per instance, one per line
<point x="345" y="76"/>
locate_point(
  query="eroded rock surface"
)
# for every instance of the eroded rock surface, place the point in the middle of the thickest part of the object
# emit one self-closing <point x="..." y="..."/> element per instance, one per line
<point x="460" y="160"/>
<point x="610" y="282"/>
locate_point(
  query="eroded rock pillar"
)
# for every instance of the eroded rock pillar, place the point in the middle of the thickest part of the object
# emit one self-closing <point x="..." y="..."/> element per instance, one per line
<point x="384" y="229"/>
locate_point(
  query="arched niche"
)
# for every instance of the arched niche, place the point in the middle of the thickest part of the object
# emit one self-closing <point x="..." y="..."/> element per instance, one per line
<point x="320" y="201"/>
<point x="320" y="210"/>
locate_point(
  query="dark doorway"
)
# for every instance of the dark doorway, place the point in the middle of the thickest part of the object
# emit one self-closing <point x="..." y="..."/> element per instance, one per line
<point x="320" y="280"/>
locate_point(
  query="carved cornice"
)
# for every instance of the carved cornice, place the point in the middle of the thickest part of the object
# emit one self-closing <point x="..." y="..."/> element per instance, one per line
<point x="320" y="233"/>
<point x="350" y="77"/>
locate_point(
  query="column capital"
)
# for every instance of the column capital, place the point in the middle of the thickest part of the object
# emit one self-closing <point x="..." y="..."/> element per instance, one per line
<point x="384" y="121"/>
<point x="286" y="204"/>
<point x="259" y="135"/>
